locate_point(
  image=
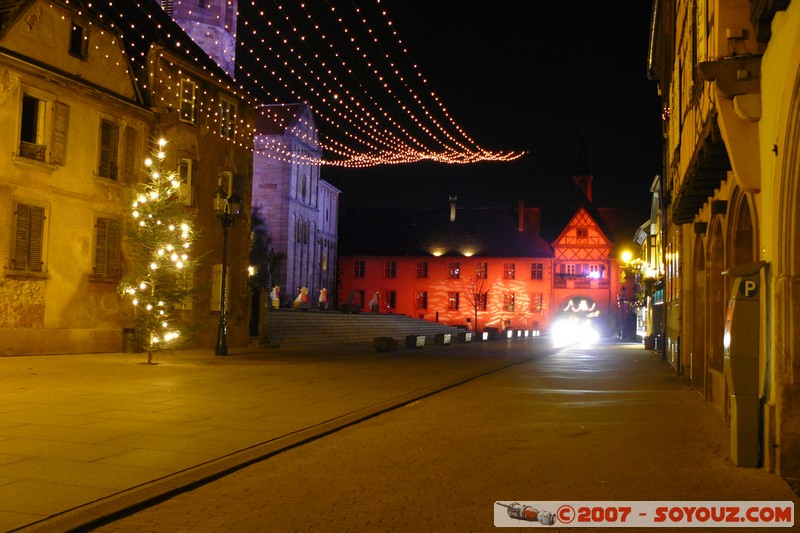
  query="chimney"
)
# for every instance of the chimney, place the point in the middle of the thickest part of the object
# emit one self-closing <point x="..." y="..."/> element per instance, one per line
<point x="453" y="208"/>
<point x="521" y="224"/>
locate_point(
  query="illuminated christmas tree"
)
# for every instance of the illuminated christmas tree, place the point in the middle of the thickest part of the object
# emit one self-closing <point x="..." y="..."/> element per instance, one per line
<point x="159" y="234"/>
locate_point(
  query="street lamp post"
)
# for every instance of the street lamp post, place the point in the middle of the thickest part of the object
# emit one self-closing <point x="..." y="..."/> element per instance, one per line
<point x="227" y="209"/>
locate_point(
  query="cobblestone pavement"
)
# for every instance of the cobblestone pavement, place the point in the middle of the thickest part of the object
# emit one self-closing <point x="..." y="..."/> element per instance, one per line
<point x="609" y="423"/>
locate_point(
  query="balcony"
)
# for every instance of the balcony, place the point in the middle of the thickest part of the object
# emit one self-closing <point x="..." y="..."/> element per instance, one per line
<point x="569" y="281"/>
<point x="36" y="152"/>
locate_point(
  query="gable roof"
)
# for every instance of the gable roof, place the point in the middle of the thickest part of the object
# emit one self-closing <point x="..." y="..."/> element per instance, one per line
<point x="480" y="232"/>
<point x="278" y="119"/>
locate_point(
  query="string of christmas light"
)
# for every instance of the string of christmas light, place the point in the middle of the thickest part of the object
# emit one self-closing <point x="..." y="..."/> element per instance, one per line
<point x="309" y="64"/>
<point x="160" y="235"/>
<point x="269" y="19"/>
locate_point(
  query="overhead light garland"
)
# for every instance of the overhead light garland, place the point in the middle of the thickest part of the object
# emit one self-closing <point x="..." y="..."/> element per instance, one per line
<point x="371" y="101"/>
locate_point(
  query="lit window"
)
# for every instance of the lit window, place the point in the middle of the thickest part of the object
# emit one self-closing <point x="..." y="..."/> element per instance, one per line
<point x="452" y="301"/>
<point x="421" y="300"/>
<point x="453" y="270"/>
<point x="508" y="271"/>
<point x="481" y="271"/>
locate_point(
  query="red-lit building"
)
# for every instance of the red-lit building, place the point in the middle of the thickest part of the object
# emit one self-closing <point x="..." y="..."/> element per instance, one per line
<point x="520" y="268"/>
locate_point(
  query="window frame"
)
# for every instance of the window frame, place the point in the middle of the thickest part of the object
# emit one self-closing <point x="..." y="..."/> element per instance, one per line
<point x="482" y="270"/>
<point x="509" y="270"/>
<point x="228" y="113"/>
<point x="110" y="254"/>
<point x="359" y="269"/>
<point x="187" y="111"/>
<point x="390" y="269"/>
<point x="422" y="270"/>
<point x="42" y="240"/>
<point x="423" y="296"/>
<point x="113" y="149"/>
<point x="453" y="270"/>
<point x="81" y="51"/>
<point x="186" y="177"/>
<point x="537" y="270"/>
<point x="452" y="301"/>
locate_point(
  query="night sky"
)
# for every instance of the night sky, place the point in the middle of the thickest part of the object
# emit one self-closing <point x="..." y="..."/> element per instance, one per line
<point x="534" y="76"/>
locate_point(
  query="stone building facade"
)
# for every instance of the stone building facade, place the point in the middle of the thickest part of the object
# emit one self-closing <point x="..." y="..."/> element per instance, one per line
<point x="300" y="208"/>
<point x="84" y="101"/>
<point x="729" y="76"/>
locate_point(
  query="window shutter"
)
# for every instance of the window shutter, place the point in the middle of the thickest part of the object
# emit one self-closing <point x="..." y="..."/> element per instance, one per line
<point x="22" y="238"/>
<point x="100" y="247"/>
<point x="131" y="161"/>
<point x="112" y="242"/>
<point x="109" y="142"/>
<point x="185" y="174"/>
<point x="29" y="238"/>
<point x="105" y="255"/>
<point x="60" y="125"/>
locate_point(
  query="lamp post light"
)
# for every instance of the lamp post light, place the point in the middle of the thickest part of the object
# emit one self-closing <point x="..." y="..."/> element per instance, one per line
<point x="227" y="209"/>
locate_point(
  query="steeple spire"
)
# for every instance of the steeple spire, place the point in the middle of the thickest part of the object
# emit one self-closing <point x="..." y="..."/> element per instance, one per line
<point x="583" y="175"/>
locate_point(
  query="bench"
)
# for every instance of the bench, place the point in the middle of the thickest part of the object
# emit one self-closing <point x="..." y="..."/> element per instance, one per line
<point x="384" y="344"/>
<point x="415" y="341"/>
<point x="464" y="336"/>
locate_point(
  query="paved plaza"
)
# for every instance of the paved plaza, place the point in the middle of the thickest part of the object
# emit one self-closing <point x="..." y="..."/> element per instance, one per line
<point x="479" y="423"/>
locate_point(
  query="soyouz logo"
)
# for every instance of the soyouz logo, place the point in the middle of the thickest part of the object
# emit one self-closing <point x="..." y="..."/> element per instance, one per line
<point x="644" y="514"/>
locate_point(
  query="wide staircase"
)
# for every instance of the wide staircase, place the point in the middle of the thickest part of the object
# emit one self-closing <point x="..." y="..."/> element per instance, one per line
<point x="288" y="328"/>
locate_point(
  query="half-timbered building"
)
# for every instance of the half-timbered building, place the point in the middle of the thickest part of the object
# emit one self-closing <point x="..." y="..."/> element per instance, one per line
<point x="507" y="268"/>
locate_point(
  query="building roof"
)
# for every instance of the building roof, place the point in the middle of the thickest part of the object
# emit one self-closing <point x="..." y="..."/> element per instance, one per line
<point x="482" y="232"/>
<point x="276" y="119"/>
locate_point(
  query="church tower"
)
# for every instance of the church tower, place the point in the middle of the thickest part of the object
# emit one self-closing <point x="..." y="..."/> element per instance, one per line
<point x="211" y="24"/>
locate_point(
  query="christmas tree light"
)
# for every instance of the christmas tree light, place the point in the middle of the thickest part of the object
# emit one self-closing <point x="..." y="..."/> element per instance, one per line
<point x="159" y="237"/>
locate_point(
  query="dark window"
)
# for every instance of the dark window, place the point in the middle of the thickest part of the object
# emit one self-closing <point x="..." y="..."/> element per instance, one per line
<point x="536" y="270"/>
<point x="359" y="270"/>
<point x="78" y="43"/>
<point x="188" y="101"/>
<point x="227" y="119"/>
<point x="422" y="269"/>
<point x="391" y="269"/>
<point x="390" y="297"/>
<point x="482" y="271"/>
<point x="109" y="148"/>
<point x="31" y="133"/>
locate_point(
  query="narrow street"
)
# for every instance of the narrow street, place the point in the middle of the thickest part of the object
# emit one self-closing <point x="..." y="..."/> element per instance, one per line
<point x="610" y="422"/>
